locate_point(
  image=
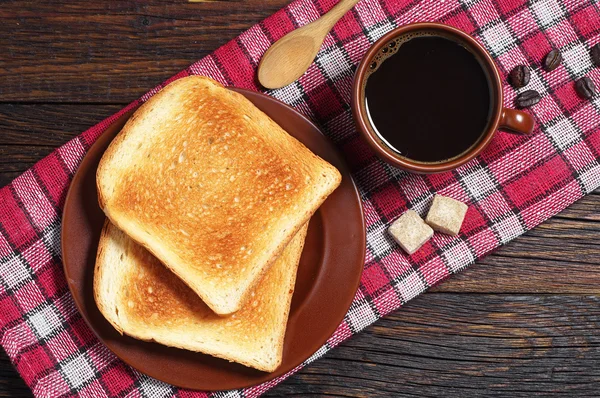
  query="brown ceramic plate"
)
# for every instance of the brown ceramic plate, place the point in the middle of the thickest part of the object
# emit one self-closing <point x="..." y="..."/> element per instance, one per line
<point x="328" y="276"/>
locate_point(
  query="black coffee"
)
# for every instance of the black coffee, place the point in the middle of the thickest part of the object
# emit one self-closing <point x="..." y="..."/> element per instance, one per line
<point x="428" y="97"/>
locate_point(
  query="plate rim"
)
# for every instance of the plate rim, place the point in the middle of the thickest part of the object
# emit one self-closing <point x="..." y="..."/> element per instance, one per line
<point x="270" y="375"/>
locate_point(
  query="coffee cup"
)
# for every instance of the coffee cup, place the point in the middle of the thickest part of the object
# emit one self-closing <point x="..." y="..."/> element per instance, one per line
<point x="428" y="98"/>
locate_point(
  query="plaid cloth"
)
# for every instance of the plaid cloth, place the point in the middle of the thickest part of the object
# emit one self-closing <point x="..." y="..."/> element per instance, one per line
<point x="517" y="182"/>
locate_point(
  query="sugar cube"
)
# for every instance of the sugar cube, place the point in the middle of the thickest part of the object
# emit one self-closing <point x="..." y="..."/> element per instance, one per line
<point x="446" y="215"/>
<point x="410" y="231"/>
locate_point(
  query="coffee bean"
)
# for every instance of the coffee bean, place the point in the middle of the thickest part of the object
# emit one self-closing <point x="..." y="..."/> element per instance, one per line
<point x="527" y="98"/>
<point x="552" y="60"/>
<point x="585" y="87"/>
<point x="595" y="53"/>
<point x="519" y="76"/>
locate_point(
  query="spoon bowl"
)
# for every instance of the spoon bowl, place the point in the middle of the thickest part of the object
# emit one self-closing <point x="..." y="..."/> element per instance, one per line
<point x="288" y="59"/>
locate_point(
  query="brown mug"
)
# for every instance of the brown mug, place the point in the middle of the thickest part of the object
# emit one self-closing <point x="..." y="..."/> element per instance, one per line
<point x="511" y="120"/>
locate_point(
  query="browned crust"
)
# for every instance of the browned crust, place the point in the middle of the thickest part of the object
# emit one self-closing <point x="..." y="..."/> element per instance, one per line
<point x="99" y="275"/>
<point x="291" y="288"/>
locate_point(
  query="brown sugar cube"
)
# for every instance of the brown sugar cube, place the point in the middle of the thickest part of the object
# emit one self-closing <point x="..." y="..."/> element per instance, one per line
<point x="410" y="231"/>
<point x="446" y="215"/>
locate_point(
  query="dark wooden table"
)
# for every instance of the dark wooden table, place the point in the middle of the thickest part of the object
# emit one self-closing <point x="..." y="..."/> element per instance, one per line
<point x="523" y="321"/>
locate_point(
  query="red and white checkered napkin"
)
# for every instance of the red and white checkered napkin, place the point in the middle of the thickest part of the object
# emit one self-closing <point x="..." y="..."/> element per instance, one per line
<point x="514" y="185"/>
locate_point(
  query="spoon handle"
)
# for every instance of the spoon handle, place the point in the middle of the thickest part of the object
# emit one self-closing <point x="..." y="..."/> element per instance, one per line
<point x="338" y="11"/>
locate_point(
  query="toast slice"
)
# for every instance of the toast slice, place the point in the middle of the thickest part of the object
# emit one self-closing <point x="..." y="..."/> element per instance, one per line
<point x="143" y="299"/>
<point x="211" y="186"/>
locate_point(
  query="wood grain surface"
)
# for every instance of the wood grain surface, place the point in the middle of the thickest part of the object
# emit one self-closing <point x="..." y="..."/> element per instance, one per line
<point x="524" y="321"/>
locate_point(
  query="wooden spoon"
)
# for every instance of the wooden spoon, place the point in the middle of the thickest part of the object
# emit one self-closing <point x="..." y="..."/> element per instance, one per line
<point x="287" y="59"/>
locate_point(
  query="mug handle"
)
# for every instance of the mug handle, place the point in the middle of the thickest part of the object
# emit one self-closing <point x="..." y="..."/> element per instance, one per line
<point x="516" y="122"/>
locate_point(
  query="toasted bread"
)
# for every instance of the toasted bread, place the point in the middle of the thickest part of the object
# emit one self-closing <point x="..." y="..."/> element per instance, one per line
<point x="211" y="186"/>
<point x="140" y="297"/>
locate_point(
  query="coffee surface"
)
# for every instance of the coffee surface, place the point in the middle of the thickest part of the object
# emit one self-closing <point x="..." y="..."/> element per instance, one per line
<point x="429" y="100"/>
